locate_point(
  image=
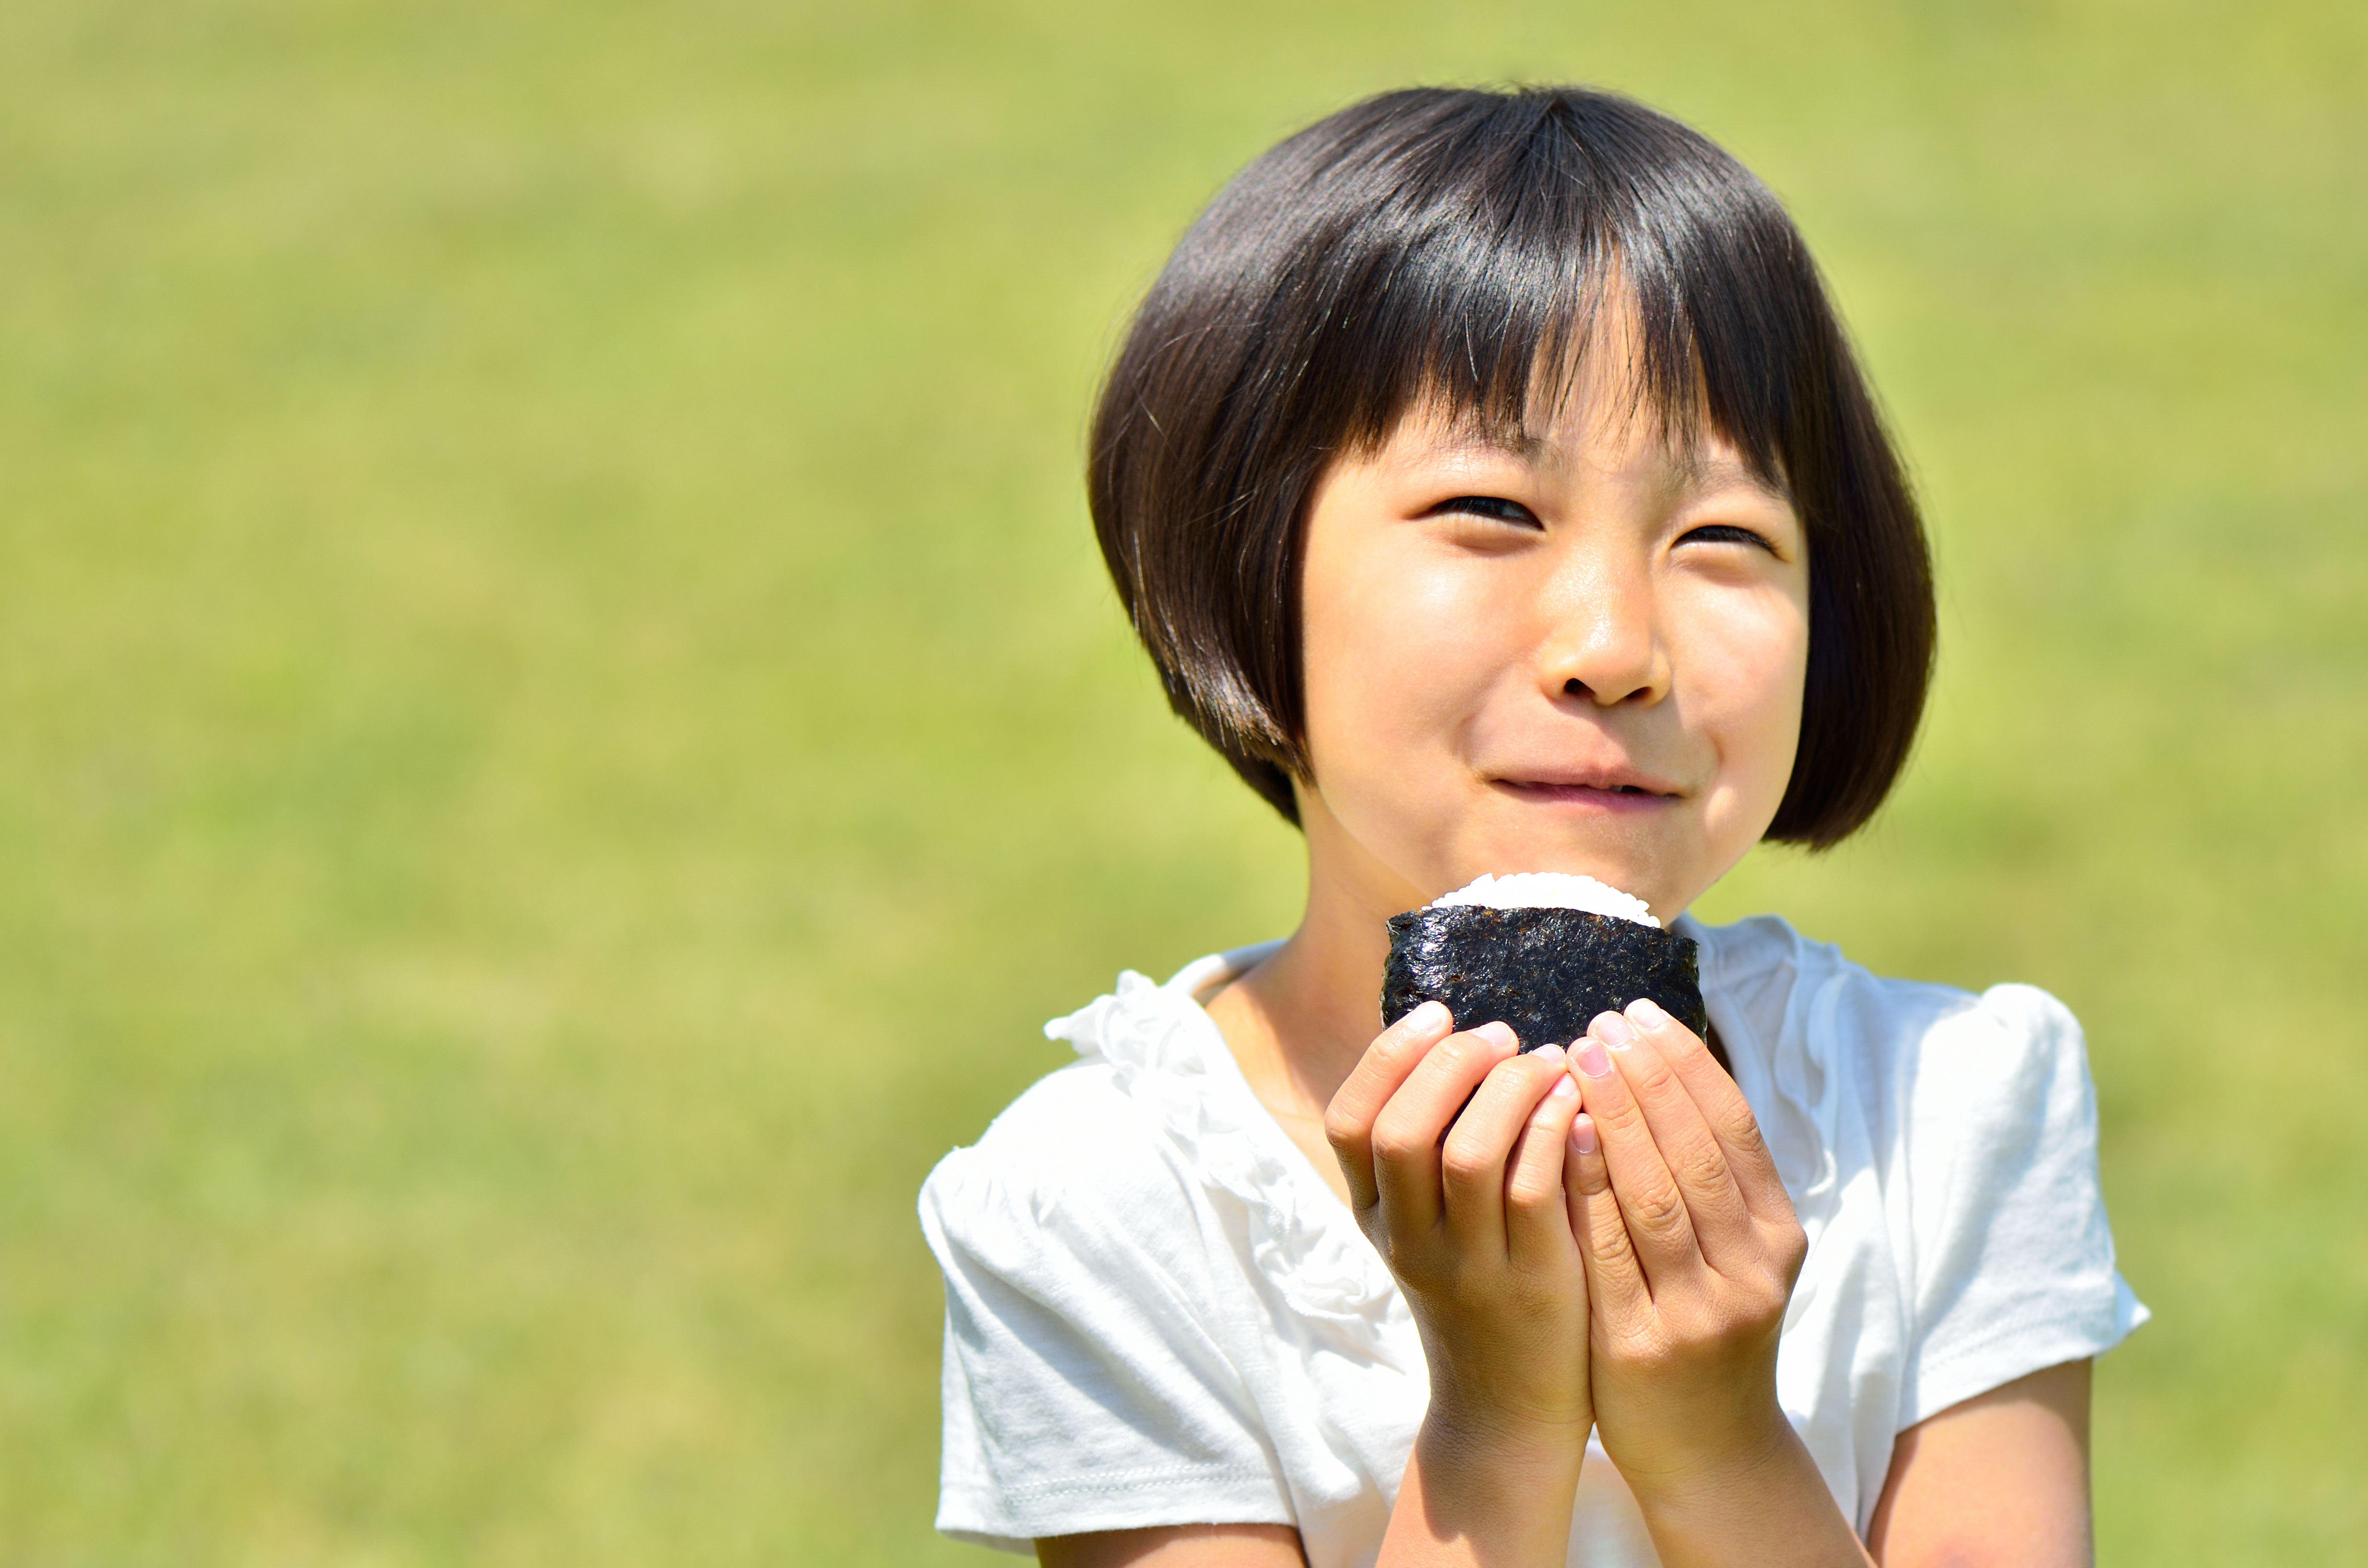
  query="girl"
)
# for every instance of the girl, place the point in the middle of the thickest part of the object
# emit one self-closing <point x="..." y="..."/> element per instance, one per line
<point x="1491" y="484"/>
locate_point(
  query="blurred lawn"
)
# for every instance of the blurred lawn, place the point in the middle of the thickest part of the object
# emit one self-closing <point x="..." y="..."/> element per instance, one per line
<point x="560" y="728"/>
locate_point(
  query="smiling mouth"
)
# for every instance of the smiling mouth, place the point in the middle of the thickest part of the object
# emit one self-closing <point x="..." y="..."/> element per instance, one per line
<point x="1607" y="796"/>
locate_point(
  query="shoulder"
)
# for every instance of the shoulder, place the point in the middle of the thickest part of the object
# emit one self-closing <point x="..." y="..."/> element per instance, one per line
<point x="1073" y="1174"/>
<point x="1901" y="1092"/>
<point x="1783" y="998"/>
<point x="1077" y="1114"/>
<point x="2013" y="1058"/>
<point x="1106" y="1168"/>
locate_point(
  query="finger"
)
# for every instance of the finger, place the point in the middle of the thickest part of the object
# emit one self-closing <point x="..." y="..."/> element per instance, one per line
<point x="1617" y="1295"/>
<point x="1723" y="1106"/>
<point x="1714" y="1206"/>
<point x="1408" y="1133"/>
<point x="1473" y="1160"/>
<point x="1658" y="1226"/>
<point x="1348" y="1120"/>
<point x="1538" y="1232"/>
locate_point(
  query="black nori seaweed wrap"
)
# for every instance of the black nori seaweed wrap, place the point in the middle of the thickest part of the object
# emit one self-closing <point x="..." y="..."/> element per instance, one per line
<point x="1545" y="971"/>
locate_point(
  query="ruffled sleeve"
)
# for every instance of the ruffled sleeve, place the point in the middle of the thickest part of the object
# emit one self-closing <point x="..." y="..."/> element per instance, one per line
<point x="1157" y="1311"/>
<point x="1083" y="1387"/>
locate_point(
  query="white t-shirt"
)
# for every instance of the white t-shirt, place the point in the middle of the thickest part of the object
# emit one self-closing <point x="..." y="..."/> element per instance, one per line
<point x="1158" y="1313"/>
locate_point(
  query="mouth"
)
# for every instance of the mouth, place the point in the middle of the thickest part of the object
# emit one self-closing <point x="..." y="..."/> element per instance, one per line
<point x="1615" y="790"/>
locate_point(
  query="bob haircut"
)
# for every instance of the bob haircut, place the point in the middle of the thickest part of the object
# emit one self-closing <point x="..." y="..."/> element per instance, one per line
<point x="1452" y="248"/>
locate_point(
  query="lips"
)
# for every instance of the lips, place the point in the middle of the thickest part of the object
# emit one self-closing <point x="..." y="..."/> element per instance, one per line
<point x="1576" y="783"/>
<point x="1582" y="798"/>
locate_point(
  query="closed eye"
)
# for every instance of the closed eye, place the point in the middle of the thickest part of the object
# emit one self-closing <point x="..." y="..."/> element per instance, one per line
<point x="1728" y="533"/>
<point x="1494" y="507"/>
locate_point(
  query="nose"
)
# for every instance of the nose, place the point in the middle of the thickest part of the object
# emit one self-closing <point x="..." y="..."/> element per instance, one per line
<point x="1604" y="644"/>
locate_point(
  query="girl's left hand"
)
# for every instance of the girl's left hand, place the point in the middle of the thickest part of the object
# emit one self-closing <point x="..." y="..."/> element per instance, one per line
<point x="1692" y="1247"/>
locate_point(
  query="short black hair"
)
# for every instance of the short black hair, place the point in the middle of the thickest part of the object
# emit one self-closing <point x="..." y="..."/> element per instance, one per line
<point x="1453" y="246"/>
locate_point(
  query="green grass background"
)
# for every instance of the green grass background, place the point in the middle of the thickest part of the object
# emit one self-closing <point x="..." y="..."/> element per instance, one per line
<point x="560" y="727"/>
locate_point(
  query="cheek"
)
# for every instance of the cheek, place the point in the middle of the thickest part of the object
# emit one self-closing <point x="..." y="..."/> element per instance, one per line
<point x="1390" y="655"/>
<point x="1750" y="661"/>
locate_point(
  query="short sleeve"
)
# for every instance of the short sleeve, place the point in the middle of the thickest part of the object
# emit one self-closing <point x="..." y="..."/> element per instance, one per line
<point x="2014" y="1268"/>
<point x="1083" y="1389"/>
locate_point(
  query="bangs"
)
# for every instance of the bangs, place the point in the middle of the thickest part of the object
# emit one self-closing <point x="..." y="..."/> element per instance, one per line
<point x="1473" y="267"/>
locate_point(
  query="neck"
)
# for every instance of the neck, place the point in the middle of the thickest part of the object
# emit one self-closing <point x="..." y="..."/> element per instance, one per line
<point x="1299" y="1022"/>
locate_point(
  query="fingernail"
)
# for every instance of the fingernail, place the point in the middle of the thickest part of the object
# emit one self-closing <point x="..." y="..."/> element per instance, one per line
<point x="1592" y="1062"/>
<point x="1429" y="1018"/>
<point x="1582" y="1134"/>
<point x="1563" y="1087"/>
<point x="1611" y="1030"/>
<point x="1646" y="1014"/>
<point x="1499" y="1032"/>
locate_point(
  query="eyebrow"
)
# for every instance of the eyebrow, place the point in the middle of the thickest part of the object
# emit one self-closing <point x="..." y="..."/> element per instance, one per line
<point x="1474" y="437"/>
<point x="1730" y="471"/>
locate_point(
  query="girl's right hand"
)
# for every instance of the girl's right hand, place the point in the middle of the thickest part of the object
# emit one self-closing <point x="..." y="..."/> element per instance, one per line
<point x="1452" y="1146"/>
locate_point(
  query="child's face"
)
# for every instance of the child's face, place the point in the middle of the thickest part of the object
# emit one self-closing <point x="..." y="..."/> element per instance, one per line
<point x="1572" y="654"/>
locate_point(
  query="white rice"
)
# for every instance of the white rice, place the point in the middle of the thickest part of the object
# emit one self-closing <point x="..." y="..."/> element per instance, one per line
<point x="1550" y="890"/>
